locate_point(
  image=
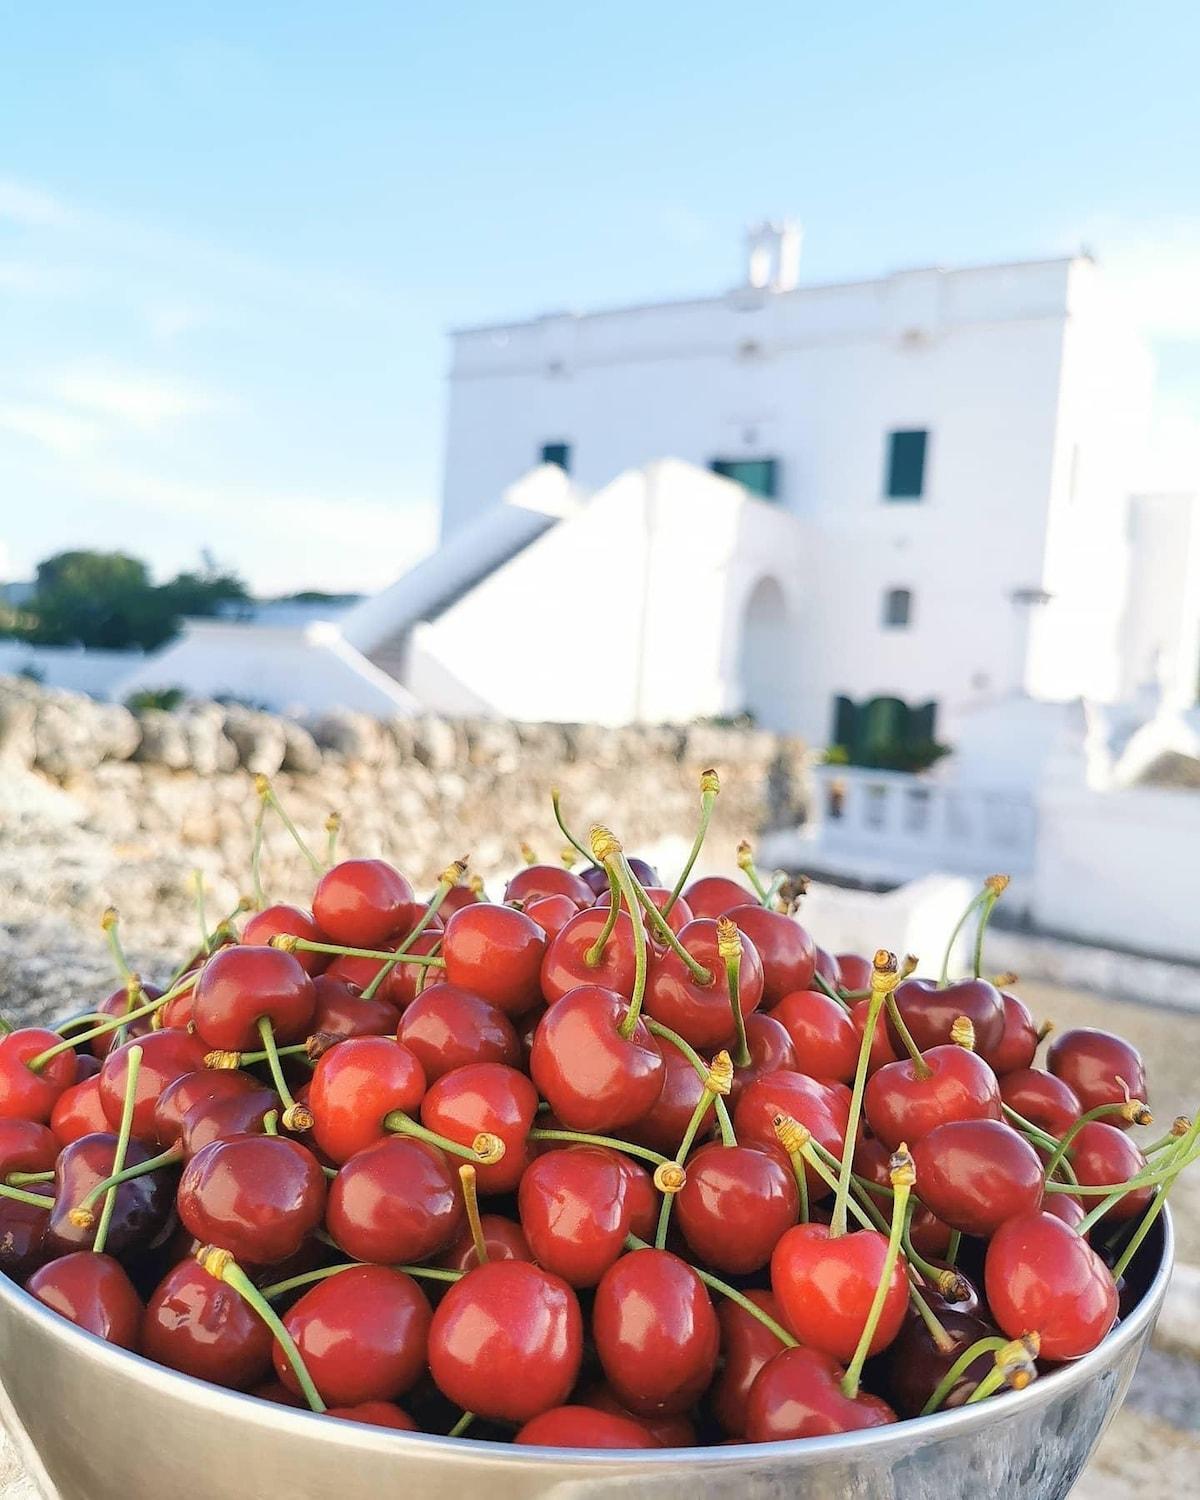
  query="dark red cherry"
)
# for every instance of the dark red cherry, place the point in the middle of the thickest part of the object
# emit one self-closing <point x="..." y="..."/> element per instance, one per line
<point x="1100" y="1067"/>
<point x="770" y="1050"/>
<point x="395" y="1203"/>
<point x="746" y="1346"/>
<point x="22" y="1236"/>
<point x="667" y="1431"/>
<point x="702" y="1013"/>
<point x="362" y="1334"/>
<point x="500" y="1319"/>
<point x="826" y="1286"/>
<point x="930" y="1237"/>
<point x="734" y="1206"/>
<point x="641" y="1196"/>
<point x="788" y="954"/>
<point x="677" y="918"/>
<point x="714" y="896"/>
<point x="916" y="1366"/>
<point x="1102" y="1154"/>
<point x="825" y="1040"/>
<point x="238" y="987"/>
<point x="655" y="1331"/>
<point x="375" y="1414"/>
<point x="583" y="1427"/>
<point x="491" y="1098"/>
<point x="594" y="1078"/>
<point x="566" y="965"/>
<point x="289" y="921"/>
<point x="901" y="1105"/>
<point x="596" y="878"/>
<point x="575" y="1213"/>
<point x="94" y="1292"/>
<point x="975" y="1174"/>
<point x="362" y="902"/>
<point x="355" y="1086"/>
<point x="86" y="1066"/>
<point x="536" y="881"/>
<point x="358" y="973"/>
<point x="197" y="1324"/>
<point x="930" y="1012"/>
<point x="219" y="1119"/>
<point x="26" y="1146"/>
<point x="166" y="1056"/>
<point x="257" y="1196"/>
<point x="24" y="1094"/>
<point x="119" y="1003"/>
<point x="447" y="1027"/>
<point x="504" y="1241"/>
<point x="141" y="1206"/>
<point x="663" y="1125"/>
<point x="798" y="1394"/>
<point x="551" y="913"/>
<point x="459" y="896"/>
<point x="496" y="953"/>
<point x="342" y="1012"/>
<point x="1041" y="1099"/>
<point x="853" y="973"/>
<point x="822" y="1108"/>
<point x="204" y="1086"/>
<point x="1019" y="1040"/>
<point x="1042" y="1277"/>
<point x="78" y="1111"/>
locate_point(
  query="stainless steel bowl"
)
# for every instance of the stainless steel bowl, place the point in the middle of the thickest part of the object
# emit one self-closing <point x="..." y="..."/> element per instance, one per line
<point x="96" y="1423"/>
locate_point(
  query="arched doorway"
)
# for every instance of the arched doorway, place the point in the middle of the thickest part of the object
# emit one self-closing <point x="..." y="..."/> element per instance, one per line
<point x="763" y="656"/>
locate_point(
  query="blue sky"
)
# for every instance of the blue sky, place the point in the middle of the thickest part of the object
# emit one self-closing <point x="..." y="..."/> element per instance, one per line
<point x="232" y="238"/>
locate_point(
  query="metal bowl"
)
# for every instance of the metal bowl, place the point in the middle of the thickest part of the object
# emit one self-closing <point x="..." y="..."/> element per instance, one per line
<point x="96" y="1423"/>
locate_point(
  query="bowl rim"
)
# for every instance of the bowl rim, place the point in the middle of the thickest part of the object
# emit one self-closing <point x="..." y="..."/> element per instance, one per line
<point x="878" y="1441"/>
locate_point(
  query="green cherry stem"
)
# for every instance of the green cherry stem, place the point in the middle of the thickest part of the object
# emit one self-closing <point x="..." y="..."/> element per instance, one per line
<point x="745" y="861"/>
<point x="1157" y="1204"/>
<point x="821" y="984"/>
<point x="960" y="1366"/>
<point x="920" y="1067"/>
<point x="710" y="788"/>
<point x="168" y="1158"/>
<point x="994" y="888"/>
<point x="114" y="1023"/>
<point x="109" y="923"/>
<point x="292" y="944"/>
<point x="124" y="1131"/>
<point x="667" y="935"/>
<point x="903" y="1175"/>
<point x="295" y="1116"/>
<point x="266" y="792"/>
<point x="462" y="1424"/>
<point x="668" y="1182"/>
<point x="975" y="903"/>
<point x="729" y="950"/>
<point x="25" y="1179"/>
<point x="19" y="1195"/>
<point x="486" y="1149"/>
<point x="256" y="849"/>
<point x="606" y="848"/>
<point x="885" y="975"/>
<point x="556" y="804"/>
<point x="584" y="1138"/>
<point x="1133" y="1110"/>
<point x="700" y="1067"/>
<point x="448" y="879"/>
<point x="632" y="1242"/>
<point x="595" y="953"/>
<point x="307" y="1278"/>
<point x="1016" y="1367"/>
<point x="333" y="827"/>
<point x="201" y="911"/>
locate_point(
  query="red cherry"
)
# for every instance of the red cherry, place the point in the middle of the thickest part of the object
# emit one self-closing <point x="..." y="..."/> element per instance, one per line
<point x="714" y="896"/>
<point x="118" y="1004"/>
<point x="1041" y="1099"/>
<point x="407" y="981"/>
<point x="1100" y="1067"/>
<point x="355" y="1086"/>
<point x="491" y="1098"/>
<point x="362" y="1335"/>
<point x="702" y="1013"/>
<point x="197" y="1324"/>
<point x="551" y="913"/>
<point x="901" y="1105"/>
<point x="594" y="1078"/>
<point x="583" y="1427"/>
<point x="735" y="1204"/>
<point x="927" y="1232"/>
<point x="24" y="1094"/>
<point x="456" y="898"/>
<point x="853" y="973"/>
<point x="94" y="1292"/>
<point x="788" y="954"/>
<point x="375" y="1414"/>
<point x="447" y="1027"/>
<point x="358" y="973"/>
<point x="502" y="1318"/>
<point x="1042" y="1277"/>
<point x="824" y="1109"/>
<point x="667" y="1431"/>
<point x="798" y="1394"/>
<point x="141" y="1206"/>
<point x="201" y="1087"/>
<point x="662" y="1126"/>
<point x="362" y="902"/>
<point x="503" y="1239"/>
<point x="176" y="1014"/>
<point x="238" y="987"/>
<point x="537" y="881"/>
<point x="212" y="1120"/>
<point x="26" y="1146"/>
<point x="746" y="1346"/>
<point x="770" y="1050"/>
<point x="1066" y="1207"/>
<point x="259" y="1197"/>
<point x="828" y="967"/>
<point x="975" y="1174"/>
<point x="574" y="1211"/>
<point x="824" y="1038"/>
<point x="1019" y="1040"/>
<point x="78" y="1111"/>
<point x="930" y="1012"/>
<point x="395" y="1203"/>
<point x="341" y="1012"/>
<point x="566" y="967"/>
<point x="655" y="1331"/>
<point x="166" y="1056"/>
<point x="496" y="953"/>
<point x="826" y="1286"/>
<point x="290" y="921"/>
<point x="677" y="918"/>
<point x="1102" y="1154"/>
<point x="641" y="1196"/>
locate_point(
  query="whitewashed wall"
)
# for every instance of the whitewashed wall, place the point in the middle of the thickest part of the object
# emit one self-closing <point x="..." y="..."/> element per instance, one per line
<point x="70" y="667"/>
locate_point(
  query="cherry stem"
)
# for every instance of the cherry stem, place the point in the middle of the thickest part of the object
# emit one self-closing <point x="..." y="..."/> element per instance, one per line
<point x="167" y="1158"/>
<point x="823" y="986"/>
<point x="267" y="793"/>
<point x="307" y="1278"/>
<point x="632" y="1242"/>
<point x="579" y="1137"/>
<point x="124" y="1131"/>
<point x="462" y="1424"/>
<point x="903" y="1176"/>
<point x="664" y="1033"/>
<point x="595" y="953"/>
<point x="618" y="870"/>
<point x="248" y="1059"/>
<point x="275" y="1068"/>
<point x="291" y="944"/>
<point x="466" y="1175"/>
<point x="1068" y="1139"/>
<point x="270" y="1122"/>
<point x="399" y="1123"/>
<point x="952" y="1247"/>
<point x="703" y="1104"/>
<point x="221" y="1265"/>
<point x="201" y="911"/>
<point x="994" y="888"/>
<point x="555" y="803"/>
<point x="333" y="826"/>
<point x="885" y="975"/>
<point x="23" y="1179"/>
<point x="89" y="1019"/>
<point x="110" y="922"/>
<point x="778" y="881"/>
<point x="965" y="1360"/>
<point x="920" y="1067"/>
<point x="665" y="931"/>
<point x="114" y="1023"/>
<point x="256" y="848"/>
<point x="1156" y="1206"/>
<point x="19" y="1195"/>
<point x="975" y="903"/>
<point x="1039" y="1137"/>
<point x="745" y="861"/>
<point x="448" y="880"/>
<point x="710" y="787"/>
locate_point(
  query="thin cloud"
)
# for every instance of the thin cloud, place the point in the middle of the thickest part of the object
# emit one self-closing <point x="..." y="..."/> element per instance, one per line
<point x="49" y="426"/>
<point x="129" y="397"/>
<point x="32" y="207"/>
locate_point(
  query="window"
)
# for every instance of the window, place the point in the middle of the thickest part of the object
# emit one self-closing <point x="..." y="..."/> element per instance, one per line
<point x="906" y="464"/>
<point x="759" y="475"/>
<point x="559" y="454"/>
<point x="897" y="609"/>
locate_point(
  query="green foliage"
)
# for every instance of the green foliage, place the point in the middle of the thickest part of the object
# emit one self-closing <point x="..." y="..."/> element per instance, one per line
<point x="164" y="698"/>
<point x="885" y="734"/>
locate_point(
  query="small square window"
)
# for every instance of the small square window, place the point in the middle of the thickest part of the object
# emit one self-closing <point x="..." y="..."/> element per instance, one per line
<point x="906" y="464"/>
<point x="897" y="609"/>
<point x="558" y="454"/>
<point x="759" y="475"/>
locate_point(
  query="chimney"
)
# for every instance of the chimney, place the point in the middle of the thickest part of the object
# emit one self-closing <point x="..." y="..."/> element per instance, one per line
<point x="773" y="255"/>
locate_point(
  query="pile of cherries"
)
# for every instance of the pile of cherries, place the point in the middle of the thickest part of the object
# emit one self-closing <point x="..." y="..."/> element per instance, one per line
<point x="604" y="1163"/>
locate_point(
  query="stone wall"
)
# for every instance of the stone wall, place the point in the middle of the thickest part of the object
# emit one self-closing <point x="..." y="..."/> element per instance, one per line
<point x="100" y="805"/>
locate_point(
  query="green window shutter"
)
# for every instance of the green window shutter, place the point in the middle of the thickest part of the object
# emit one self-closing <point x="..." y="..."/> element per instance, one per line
<point x="557" y="453"/>
<point x="906" y="464"/>
<point x="845" y="723"/>
<point x="759" y="475"/>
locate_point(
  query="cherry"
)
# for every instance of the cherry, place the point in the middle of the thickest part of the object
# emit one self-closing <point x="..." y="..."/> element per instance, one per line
<point x="594" y="1078"/>
<point x="655" y="1331"/>
<point x="25" y="1094"/>
<point x="259" y="1197"/>
<point x="204" y="1086"/>
<point x="566" y="965"/>
<point x="976" y="1174"/>
<point x="596" y="878"/>
<point x="824" y="1038"/>
<point x="361" y="903"/>
<point x="78" y="1111"/>
<point x="826" y="1286"/>
<point x="662" y="1126"/>
<point x="127" y="998"/>
<point x="667" y="1431"/>
<point x="94" y="1292"/>
<point x="1101" y="1154"/>
<point x="358" y="973"/>
<point x="459" y="896"/>
<point x="394" y="1203"/>
<point x="1068" y="1208"/>
<point x="824" y="1109"/>
<point x="770" y="1050"/>
<point x="290" y="921"/>
<point x="828" y="967"/>
<point x="447" y="1027"/>
<point x="575" y="1212"/>
<point x="239" y="987"/>
<point x="788" y="954"/>
<point x="197" y="1324"/>
<point x="502" y="1318"/>
<point x="407" y="981"/>
<point x="362" y="1334"/>
<point x="166" y="1056"/>
<point x="930" y="1012"/>
<point x="1042" y="1277"/>
<point x="375" y="1414"/>
<point x="715" y="896"/>
<point x="928" y="1234"/>
<point x="22" y="1236"/>
<point x="485" y="1098"/>
<point x="853" y="973"/>
<point x="551" y="913"/>
<point x="537" y="881"/>
<point x="341" y="1012"/>
<point x="798" y="1394"/>
<point x="141" y="1206"/>
<point x="677" y="918"/>
<point x="496" y="953"/>
<point x="641" y="1196"/>
<point x="176" y="1014"/>
<point x="220" y="1119"/>
<point x="355" y="1086"/>
<point x="1101" y="1068"/>
<point x="502" y="1239"/>
<point x="1042" y="1099"/>
<point x="905" y="1101"/>
<point x="702" y="1013"/>
<point x="583" y="1427"/>
<point x="26" y="1146"/>
<point x="1019" y="1040"/>
<point x="86" y="1066"/>
<point x="916" y="1365"/>
<point x="746" y="1346"/>
<point x="735" y="1204"/>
